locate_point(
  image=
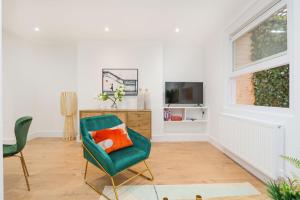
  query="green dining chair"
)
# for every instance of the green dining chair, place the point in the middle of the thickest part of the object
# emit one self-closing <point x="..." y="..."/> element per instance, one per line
<point x="21" y="130"/>
<point x="118" y="161"/>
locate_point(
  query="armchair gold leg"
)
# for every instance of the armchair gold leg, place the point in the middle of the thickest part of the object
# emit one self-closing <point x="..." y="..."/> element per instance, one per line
<point x="114" y="187"/>
<point x="85" y="172"/>
<point x="152" y="177"/>
<point x="25" y="174"/>
<point x="142" y="172"/>
<point x="90" y="185"/>
<point x="100" y="193"/>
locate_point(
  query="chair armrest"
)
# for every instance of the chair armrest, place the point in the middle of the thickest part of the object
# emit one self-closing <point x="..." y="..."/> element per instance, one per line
<point x="101" y="156"/>
<point x="139" y="141"/>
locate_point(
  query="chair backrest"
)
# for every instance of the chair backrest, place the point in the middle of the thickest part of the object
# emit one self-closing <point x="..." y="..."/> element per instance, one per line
<point x="92" y="124"/>
<point x="98" y="123"/>
<point x="21" y="131"/>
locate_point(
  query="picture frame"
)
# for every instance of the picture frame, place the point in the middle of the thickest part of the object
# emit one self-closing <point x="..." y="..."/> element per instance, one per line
<point x="112" y="78"/>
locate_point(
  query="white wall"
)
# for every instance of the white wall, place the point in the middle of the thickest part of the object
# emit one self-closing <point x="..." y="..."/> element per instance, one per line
<point x="34" y="80"/>
<point x="19" y="87"/>
<point x="214" y="81"/>
<point x="184" y="62"/>
<point x="34" y="76"/>
<point x="292" y="144"/>
<point x="216" y="58"/>
<point x="156" y="62"/>
<point x="56" y="73"/>
<point x="146" y="56"/>
<point x="1" y="110"/>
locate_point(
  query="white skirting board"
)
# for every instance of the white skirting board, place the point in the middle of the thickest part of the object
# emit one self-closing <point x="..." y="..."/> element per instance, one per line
<point x="39" y="134"/>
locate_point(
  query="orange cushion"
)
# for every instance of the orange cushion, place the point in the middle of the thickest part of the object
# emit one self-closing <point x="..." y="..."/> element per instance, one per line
<point x="112" y="139"/>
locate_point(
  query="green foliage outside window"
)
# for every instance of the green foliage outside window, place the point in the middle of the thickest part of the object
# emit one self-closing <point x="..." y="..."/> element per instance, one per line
<point x="269" y="37"/>
<point x="271" y="87"/>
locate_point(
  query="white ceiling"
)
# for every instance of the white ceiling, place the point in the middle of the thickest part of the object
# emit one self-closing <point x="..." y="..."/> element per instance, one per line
<point x="127" y="19"/>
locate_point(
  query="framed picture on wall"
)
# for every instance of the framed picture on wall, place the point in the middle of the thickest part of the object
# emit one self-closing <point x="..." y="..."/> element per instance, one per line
<point x="113" y="78"/>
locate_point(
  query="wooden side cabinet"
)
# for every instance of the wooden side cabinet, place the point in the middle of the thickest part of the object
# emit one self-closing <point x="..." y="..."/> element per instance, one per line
<point x="138" y="120"/>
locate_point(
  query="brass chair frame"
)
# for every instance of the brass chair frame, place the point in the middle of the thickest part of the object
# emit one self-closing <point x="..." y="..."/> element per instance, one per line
<point x="24" y="167"/>
<point x="115" y="187"/>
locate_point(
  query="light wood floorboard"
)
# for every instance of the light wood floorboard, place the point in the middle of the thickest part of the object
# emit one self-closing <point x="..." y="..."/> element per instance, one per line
<point x="56" y="170"/>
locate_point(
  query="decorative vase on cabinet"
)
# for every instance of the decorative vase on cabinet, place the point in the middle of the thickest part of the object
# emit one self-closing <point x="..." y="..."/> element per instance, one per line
<point x="147" y="99"/>
<point x="140" y="100"/>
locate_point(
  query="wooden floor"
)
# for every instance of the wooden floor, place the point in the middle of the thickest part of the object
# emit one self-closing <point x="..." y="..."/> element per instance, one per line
<point x="56" y="170"/>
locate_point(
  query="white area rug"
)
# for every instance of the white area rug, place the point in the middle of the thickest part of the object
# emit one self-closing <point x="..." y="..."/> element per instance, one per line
<point x="181" y="192"/>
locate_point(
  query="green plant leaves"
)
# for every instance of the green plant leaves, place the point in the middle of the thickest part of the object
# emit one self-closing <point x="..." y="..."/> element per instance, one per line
<point x="271" y="87"/>
<point x="118" y="95"/>
<point x="293" y="161"/>
<point x="283" y="190"/>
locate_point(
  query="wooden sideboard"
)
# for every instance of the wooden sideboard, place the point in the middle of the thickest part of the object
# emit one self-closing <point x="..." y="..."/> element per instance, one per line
<point x="138" y="120"/>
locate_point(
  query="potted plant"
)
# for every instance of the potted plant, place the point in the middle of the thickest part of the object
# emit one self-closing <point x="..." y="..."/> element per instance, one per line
<point x="115" y="98"/>
<point x="288" y="188"/>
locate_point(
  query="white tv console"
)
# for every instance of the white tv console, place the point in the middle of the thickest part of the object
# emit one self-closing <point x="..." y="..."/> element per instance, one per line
<point x="189" y="114"/>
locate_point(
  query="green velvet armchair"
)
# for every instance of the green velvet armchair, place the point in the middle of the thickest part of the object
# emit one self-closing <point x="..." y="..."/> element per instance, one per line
<point x="113" y="163"/>
<point x="21" y="130"/>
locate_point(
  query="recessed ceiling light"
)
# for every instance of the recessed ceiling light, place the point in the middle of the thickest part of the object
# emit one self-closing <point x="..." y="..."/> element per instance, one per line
<point x="177" y="30"/>
<point x="106" y="29"/>
<point x="36" y="29"/>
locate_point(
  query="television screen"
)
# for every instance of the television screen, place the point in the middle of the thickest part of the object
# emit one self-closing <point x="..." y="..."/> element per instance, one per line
<point x="184" y="92"/>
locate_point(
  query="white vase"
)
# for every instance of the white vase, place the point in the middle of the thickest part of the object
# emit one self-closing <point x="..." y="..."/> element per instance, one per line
<point x="140" y="100"/>
<point x="147" y="102"/>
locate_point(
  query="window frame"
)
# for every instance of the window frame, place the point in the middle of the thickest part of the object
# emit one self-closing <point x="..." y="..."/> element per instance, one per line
<point x="269" y="62"/>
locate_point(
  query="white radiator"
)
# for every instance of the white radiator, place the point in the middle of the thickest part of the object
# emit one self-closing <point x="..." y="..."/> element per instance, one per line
<point x="258" y="143"/>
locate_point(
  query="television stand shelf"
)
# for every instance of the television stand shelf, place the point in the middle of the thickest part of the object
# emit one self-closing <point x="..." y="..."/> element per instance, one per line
<point x="185" y="114"/>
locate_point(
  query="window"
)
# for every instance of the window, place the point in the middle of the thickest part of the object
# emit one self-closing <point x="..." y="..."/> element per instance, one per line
<point x="266" y="39"/>
<point x="264" y="88"/>
<point x="260" y="64"/>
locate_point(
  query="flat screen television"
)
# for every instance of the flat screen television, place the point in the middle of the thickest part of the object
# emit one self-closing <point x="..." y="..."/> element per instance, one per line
<point x="184" y="93"/>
